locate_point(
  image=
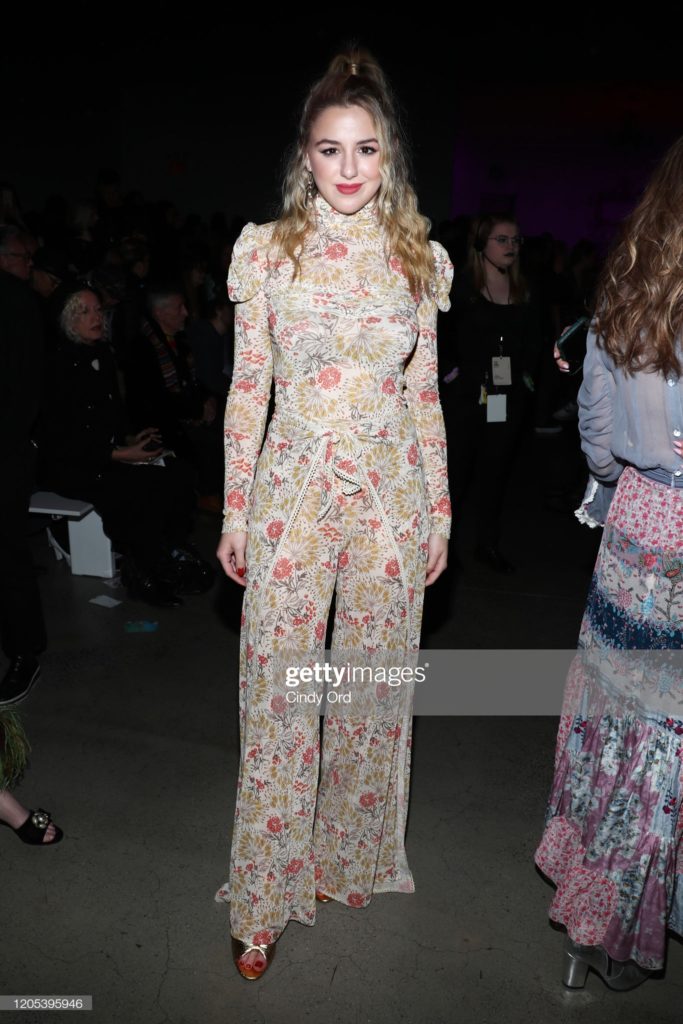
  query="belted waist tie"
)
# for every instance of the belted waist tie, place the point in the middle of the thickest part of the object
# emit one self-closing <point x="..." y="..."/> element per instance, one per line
<point x="341" y="444"/>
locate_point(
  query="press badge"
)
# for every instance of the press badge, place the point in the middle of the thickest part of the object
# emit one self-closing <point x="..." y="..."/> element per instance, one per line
<point x="502" y="374"/>
<point x="496" y="409"/>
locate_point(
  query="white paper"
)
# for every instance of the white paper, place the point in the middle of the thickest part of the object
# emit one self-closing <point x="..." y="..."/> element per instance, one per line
<point x="105" y="601"/>
<point x="501" y="370"/>
<point x="496" y="409"/>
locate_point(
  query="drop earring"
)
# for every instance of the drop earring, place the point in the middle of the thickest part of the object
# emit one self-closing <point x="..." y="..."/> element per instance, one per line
<point x="310" y="188"/>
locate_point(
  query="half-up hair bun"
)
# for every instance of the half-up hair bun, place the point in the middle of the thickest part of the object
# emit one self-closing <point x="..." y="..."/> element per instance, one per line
<point x="356" y="63"/>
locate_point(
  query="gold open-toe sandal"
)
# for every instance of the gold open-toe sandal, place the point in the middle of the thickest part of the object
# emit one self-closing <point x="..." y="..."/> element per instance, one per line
<point x="255" y="970"/>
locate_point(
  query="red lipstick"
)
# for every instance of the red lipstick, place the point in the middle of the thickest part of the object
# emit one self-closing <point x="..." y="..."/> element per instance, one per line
<point x="348" y="190"/>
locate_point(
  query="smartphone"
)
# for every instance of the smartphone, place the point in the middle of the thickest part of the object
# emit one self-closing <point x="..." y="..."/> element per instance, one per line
<point x="572" y="344"/>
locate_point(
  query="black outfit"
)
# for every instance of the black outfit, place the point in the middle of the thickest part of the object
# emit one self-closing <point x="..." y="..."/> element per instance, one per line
<point x="175" y="408"/>
<point x="145" y="510"/>
<point x="478" y="451"/>
<point x="127" y="319"/>
<point x="209" y="356"/>
<point x="21" y="384"/>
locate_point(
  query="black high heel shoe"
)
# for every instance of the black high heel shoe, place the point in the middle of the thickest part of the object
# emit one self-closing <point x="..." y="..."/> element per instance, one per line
<point x="619" y="975"/>
<point x="32" y="831"/>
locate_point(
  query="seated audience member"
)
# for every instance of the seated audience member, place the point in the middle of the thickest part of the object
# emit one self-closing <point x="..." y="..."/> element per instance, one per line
<point x="211" y="344"/>
<point x="146" y="508"/>
<point x="162" y="388"/>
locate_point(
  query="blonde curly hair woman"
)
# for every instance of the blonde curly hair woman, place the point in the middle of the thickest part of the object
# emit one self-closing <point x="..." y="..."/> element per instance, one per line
<point x="348" y="495"/>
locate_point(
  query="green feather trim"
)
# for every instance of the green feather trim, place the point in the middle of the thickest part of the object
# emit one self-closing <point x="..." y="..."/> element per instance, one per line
<point x="14" y="748"/>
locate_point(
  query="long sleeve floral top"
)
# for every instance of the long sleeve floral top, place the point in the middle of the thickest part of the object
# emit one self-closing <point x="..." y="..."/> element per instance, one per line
<point x="345" y="340"/>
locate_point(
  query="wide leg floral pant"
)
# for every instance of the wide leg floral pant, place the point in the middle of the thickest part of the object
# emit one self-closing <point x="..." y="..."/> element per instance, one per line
<point x="333" y="510"/>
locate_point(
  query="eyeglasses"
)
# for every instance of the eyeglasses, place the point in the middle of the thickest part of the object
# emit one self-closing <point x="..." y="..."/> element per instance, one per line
<point x="19" y="256"/>
<point x="505" y="239"/>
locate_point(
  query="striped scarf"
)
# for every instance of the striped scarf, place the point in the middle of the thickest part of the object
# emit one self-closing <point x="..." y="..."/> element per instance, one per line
<point x="164" y="355"/>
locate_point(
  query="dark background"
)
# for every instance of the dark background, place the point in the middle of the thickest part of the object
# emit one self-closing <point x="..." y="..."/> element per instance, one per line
<point x="562" y="121"/>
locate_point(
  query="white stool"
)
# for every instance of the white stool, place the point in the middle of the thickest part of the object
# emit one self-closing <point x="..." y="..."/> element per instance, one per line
<point x="90" y="549"/>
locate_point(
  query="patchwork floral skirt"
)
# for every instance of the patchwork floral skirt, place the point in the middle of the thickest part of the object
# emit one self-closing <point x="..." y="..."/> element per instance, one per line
<point x="612" y="841"/>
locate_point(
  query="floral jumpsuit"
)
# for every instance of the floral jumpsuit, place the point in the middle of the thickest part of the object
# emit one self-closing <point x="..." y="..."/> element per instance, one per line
<point x="341" y="499"/>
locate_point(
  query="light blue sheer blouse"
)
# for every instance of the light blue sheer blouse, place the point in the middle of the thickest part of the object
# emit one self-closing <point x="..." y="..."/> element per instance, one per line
<point x="629" y="420"/>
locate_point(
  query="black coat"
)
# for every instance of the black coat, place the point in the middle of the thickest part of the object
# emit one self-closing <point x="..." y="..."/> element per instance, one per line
<point x="150" y="403"/>
<point x="21" y="364"/>
<point x="82" y="417"/>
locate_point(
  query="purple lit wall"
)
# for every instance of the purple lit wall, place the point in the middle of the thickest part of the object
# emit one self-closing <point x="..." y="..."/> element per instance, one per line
<point x="571" y="160"/>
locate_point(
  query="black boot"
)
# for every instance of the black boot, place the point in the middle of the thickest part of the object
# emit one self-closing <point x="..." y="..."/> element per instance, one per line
<point x="19" y="678"/>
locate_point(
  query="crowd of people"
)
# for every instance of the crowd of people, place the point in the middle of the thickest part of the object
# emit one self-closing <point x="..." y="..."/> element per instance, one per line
<point x="337" y="305"/>
<point x="115" y="362"/>
<point x="135" y="330"/>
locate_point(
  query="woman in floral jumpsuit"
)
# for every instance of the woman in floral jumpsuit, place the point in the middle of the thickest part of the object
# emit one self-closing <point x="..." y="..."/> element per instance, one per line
<point x="348" y="495"/>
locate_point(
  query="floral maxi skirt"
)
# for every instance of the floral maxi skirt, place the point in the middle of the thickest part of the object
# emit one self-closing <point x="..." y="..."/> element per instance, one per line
<point x="612" y="840"/>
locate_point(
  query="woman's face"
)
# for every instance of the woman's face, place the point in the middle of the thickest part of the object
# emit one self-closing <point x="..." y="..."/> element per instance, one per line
<point x="343" y="154"/>
<point x="502" y="246"/>
<point x="87" y="319"/>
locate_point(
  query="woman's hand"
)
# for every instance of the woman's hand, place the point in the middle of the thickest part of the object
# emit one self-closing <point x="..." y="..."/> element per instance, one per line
<point x="562" y="364"/>
<point x="437" y="557"/>
<point x="230" y="553"/>
<point x="136" y="452"/>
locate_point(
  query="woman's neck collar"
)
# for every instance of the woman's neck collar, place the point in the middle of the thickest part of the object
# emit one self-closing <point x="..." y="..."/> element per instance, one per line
<point x="328" y="217"/>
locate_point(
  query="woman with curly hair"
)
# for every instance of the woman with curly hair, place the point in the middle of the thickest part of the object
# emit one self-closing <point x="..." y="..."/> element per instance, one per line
<point x="336" y="303"/>
<point x="612" y="839"/>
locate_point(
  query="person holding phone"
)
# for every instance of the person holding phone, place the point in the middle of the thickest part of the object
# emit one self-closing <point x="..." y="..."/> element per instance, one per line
<point x="612" y="841"/>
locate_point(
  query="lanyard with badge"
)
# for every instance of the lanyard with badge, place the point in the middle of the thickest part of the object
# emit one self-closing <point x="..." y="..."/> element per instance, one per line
<point x="501" y="376"/>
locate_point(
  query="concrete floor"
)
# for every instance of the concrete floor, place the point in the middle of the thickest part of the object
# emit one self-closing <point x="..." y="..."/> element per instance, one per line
<point x="135" y="753"/>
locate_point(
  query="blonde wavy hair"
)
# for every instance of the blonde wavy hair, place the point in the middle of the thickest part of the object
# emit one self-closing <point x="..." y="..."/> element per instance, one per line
<point x="640" y="294"/>
<point x="355" y="79"/>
